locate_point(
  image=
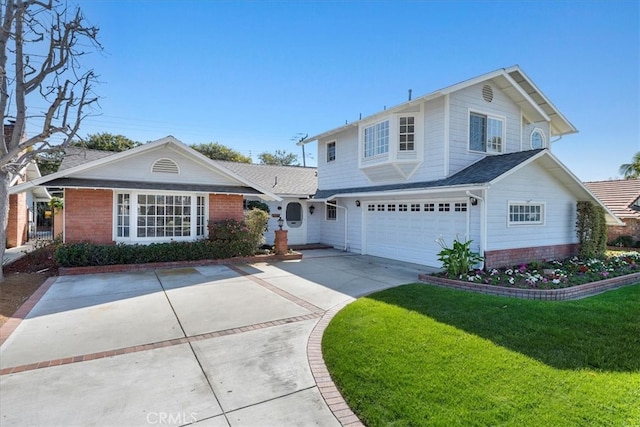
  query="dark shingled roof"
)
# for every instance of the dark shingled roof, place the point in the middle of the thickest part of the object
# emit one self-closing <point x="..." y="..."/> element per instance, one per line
<point x="76" y="156"/>
<point x="142" y="185"/>
<point x="481" y="172"/>
<point x="282" y="180"/>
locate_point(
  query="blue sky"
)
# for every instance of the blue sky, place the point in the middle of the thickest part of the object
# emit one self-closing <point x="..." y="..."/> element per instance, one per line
<point x="251" y="75"/>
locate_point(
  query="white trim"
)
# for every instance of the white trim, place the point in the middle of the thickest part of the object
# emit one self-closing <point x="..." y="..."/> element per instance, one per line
<point x="447" y="134"/>
<point x="326" y="212"/>
<point x="335" y="151"/>
<point x="526" y="96"/>
<point x="544" y="138"/>
<point x="528" y="203"/>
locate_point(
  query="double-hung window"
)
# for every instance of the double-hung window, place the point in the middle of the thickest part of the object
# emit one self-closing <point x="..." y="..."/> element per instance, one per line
<point x="486" y="133"/>
<point x="331" y="151"/>
<point x="376" y="139"/>
<point x="406" y="133"/>
<point x="331" y="213"/>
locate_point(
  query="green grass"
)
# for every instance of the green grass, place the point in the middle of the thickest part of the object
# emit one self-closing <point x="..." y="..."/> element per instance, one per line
<point x="423" y="355"/>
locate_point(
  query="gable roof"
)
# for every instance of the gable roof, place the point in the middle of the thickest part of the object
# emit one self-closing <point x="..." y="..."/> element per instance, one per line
<point x="480" y="175"/>
<point x="619" y="196"/>
<point x="296" y="181"/>
<point x="29" y="172"/>
<point x="512" y="80"/>
<point x="69" y="176"/>
<point x="76" y="156"/>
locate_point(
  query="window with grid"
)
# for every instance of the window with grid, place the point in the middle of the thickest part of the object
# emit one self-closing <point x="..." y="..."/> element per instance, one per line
<point x="371" y="207"/>
<point x="415" y="207"/>
<point x="200" y="216"/>
<point x="163" y="216"/>
<point x="376" y="139"/>
<point x="402" y="207"/>
<point x="331" y="213"/>
<point x="429" y="207"/>
<point x="406" y="133"/>
<point x="444" y="207"/>
<point x="525" y="213"/>
<point x="381" y="208"/>
<point x="460" y="207"/>
<point x="391" y="208"/>
<point x="486" y="133"/>
<point x="331" y="151"/>
<point x="123" y="209"/>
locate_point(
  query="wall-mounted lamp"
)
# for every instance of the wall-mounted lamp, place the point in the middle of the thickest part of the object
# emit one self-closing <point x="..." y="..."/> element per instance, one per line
<point x="473" y="201"/>
<point x="358" y="203"/>
<point x="312" y="209"/>
<point x="280" y="222"/>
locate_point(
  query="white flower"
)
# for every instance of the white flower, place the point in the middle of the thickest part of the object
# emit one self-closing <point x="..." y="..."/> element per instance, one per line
<point x="556" y="281"/>
<point x="511" y="280"/>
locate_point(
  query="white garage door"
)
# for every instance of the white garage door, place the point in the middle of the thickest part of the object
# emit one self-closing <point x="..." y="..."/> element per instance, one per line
<point x="407" y="231"/>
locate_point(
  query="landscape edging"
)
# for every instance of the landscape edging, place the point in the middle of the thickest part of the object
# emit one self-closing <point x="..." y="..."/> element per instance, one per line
<point x="124" y="268"/>
<point x="561" y="294"/>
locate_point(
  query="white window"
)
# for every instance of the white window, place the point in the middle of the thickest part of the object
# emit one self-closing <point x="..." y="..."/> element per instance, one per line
<point x="486" y="133"/>
<point x="444" y="207"/>
<point x="406" y="134"/>
<point x="376" y="139"/>
<point x="526" y="213"/>
<point x="460" y="207"/>
<point x="158" y="217"/>
<point x="331" y="213"/>
<point x="429" y="207"/>
<point x="371" y="207"/>
<point x="331" y="151"/>
<point x="537" y="139"/>
<point x="415" y="207"/>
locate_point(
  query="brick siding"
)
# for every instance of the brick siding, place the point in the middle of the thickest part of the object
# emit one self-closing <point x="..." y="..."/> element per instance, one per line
<point x="225" y="206"/>
<point x="88" y="215"/>
<point x="632" y="228"/>
<point x="508" y="257"/>
<point x="18" y="220"/>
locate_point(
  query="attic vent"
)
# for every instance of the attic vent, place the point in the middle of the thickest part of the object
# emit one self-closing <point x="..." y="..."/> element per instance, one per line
<point x="487" y="93"/>
<point x="165" y="166"/>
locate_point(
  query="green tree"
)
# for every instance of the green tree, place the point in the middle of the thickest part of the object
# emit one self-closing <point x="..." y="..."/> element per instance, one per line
<point x="217" y="151"/>
<point x="631" y="170"/>
<point x="279" y="158"/>
<point x="107" y="142"/>
<point x="49" y="162"/>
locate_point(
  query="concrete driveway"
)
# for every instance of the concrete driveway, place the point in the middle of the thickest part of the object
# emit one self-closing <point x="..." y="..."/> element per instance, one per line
<point x="210" y="346"/>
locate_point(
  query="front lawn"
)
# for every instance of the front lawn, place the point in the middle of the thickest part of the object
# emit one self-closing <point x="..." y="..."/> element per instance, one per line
<point x="423" y="355"/>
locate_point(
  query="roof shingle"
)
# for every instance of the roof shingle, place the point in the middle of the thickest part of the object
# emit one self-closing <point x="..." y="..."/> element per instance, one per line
<point x="618" y="195"/>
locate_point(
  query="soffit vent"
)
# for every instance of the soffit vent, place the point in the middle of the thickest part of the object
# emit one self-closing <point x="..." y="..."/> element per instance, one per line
<point x="487" y="93"/>
<point x="165" y="166"/>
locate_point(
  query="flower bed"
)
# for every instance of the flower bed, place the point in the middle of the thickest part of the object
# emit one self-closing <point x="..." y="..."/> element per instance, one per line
<point x="555" y="274"/>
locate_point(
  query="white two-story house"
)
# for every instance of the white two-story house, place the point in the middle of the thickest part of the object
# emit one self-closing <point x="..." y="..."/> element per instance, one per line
<point x="471" y="161"/>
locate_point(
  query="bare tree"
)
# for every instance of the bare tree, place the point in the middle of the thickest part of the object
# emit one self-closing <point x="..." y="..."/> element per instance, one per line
<point x="41" y="43"/>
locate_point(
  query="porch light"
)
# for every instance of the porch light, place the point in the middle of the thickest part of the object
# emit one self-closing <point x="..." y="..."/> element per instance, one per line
<point x="280" y="222"/>
<point x="473" y="201"/>
<point x="312" y="209"/>
<point x="358" y="203"/>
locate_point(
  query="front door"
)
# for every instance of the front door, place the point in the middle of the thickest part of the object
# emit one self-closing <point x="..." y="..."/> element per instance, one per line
<point x="295" y="224"/>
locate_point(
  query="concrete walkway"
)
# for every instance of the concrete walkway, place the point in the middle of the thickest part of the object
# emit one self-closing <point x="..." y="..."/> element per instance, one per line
<point x="210" y="346"/>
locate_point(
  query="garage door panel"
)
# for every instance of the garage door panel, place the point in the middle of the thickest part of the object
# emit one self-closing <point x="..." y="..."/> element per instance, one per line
<point x="411" y="235"/>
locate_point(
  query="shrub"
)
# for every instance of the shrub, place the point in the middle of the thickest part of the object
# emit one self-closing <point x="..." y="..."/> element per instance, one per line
<point x="257" y="219"/>
<point x="623" y="241"/>
<point x="233" y="237"/>
<point x="257" y="204"/>
<point x="591" y="228"/>
<point x="458" y="259"/>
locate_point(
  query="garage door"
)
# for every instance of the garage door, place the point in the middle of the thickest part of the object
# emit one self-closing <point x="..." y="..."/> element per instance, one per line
<point x="407" y="231"/>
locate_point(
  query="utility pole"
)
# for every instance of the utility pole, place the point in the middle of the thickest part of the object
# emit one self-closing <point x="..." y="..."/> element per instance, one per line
<point x="298" y="138"/>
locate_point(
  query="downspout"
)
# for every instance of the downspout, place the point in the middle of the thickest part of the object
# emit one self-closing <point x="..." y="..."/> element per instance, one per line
<point x="346" y="223"/>
<point x="483" y="222"/>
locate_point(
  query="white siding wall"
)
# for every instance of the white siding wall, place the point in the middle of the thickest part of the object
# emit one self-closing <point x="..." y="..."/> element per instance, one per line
<point x="332" y="232"/>
<point x="343" y="172"/>
<point x="470" y="98"/>
<point x="138" y="168"/>
<point x="433" y="166"/>
<point x="530" y="183"/>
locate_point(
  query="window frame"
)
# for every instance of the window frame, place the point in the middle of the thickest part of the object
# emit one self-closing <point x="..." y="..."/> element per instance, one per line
<point x="198" y="216"/>
<point x="526" y="204"/>
<point x="376" y="146"/>
<point x="330" y="212"/>
<point x="543" y="138"/>
<point x="407" y="134"/>
<point x="486" y="129"/>
<point x="331" y="153"/>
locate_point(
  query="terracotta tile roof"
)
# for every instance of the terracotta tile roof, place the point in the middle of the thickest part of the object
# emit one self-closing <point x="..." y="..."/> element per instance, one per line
<point x="620" y="196"/>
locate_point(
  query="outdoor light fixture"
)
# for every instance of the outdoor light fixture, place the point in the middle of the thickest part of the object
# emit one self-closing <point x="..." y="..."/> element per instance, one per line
<point x="358" y="203"/>
<point x="473" y="201"/>
<point x="312" y="209"/>
<point x="280" y="222"/>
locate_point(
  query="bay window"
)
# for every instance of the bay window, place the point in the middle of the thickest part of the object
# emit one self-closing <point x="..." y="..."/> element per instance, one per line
<point x="376" y="139"/>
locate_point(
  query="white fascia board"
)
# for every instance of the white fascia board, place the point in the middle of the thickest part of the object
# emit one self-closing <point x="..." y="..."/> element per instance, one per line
<point x="412" y="192"/>
<point x="526" y="96"/>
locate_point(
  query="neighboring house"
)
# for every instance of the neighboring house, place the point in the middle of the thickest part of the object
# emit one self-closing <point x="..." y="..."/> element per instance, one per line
<point x="622" y="197"/>
<point x="471" y="161"/>
<point x="22" y="206"/>
<point x="160" y="191"/>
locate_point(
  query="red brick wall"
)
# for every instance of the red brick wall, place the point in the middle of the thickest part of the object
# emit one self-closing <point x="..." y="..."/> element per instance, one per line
<point x="508" y="257"/>
<point x="225" y="206"/>
<point x="18" y="220"/>
<point x="88" y="215"/>
<point x="632" y="228"/>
